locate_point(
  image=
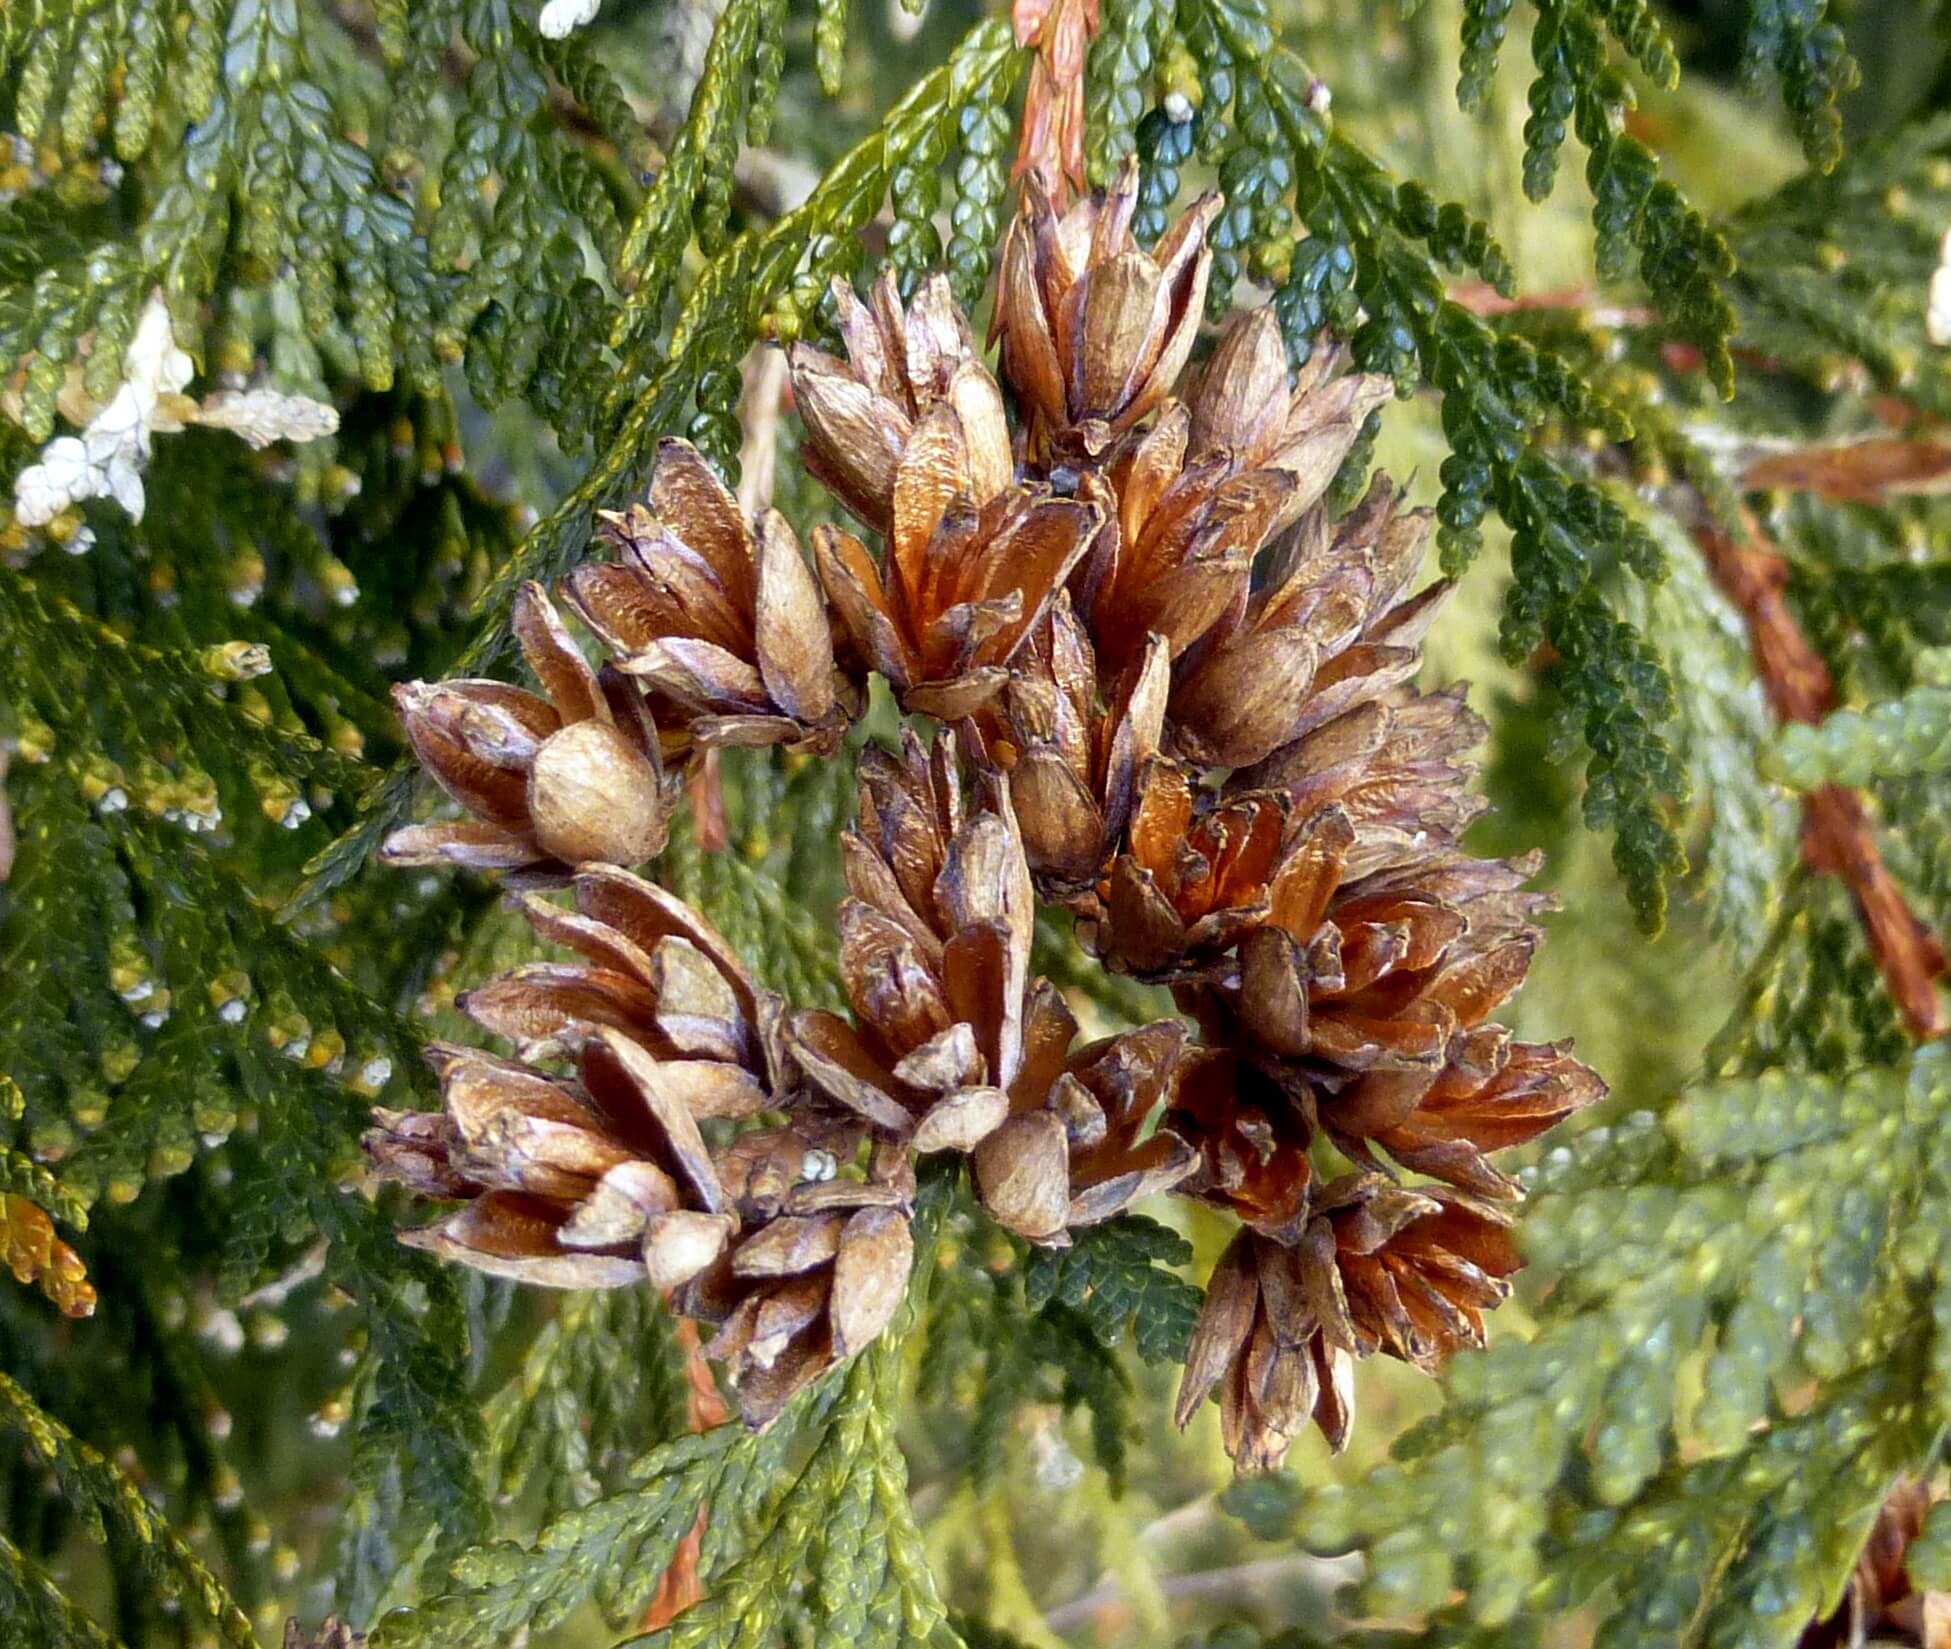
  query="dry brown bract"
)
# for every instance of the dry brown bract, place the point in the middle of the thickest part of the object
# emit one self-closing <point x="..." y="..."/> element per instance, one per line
<point x="966" y="578"/>
<point x="1072" y="754"/>
<point x="1409" y="1273"/>
<point x="1195" y="497"/>
<point x="656" y="971"/>
<point x="721" y="619"/>
<point x="901" y="365"/>
<point x="1073" y="1150"/>
<point x="1201" y="871"/>
<point x="1252" y="1138"/>
<point x="935" y="949"/>
<point x="951" y="1046"/>
<point x="1244" y="404"/>
<point x="551" y="781"/>
<point x="1371" y="1009"/>
<point x="803" y="1290"/>
<point x="595" y="1183"/>
<point x="1326" y="632"/>
<point x="1094" y="329"/>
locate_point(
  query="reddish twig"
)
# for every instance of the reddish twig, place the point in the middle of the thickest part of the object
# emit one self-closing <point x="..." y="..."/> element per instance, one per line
<point x="1837" y="838"/>
<point x="1481" y="298"/>
<point x="1868" y="470"/>
<point x="682" y="1585"/>
<point x="705" y="790"/>
<point x="1052" y="139"/>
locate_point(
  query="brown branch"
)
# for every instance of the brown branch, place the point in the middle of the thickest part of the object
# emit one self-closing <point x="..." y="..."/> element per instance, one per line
<point x="1868" y="471"/>
<point x="1837" y="838"/>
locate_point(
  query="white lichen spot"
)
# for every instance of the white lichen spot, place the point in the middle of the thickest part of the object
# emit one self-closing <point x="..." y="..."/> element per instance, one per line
<point x="107" y="458"/>
<point x="222" y="1329"/>
<point x="561" y="18"/>
<point x="1937" y="316"/>
<point x="1056" y="1465"/>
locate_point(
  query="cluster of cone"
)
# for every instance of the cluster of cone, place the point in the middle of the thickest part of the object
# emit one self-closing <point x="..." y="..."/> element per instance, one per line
<point x="1177" y="701"/>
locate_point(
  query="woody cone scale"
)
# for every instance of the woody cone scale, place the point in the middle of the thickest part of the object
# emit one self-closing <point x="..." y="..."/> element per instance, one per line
<point x="1174" y="693"/>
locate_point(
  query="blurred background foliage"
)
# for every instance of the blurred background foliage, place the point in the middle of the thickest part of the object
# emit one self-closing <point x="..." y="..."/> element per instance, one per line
<point x="1724" y="1351"/>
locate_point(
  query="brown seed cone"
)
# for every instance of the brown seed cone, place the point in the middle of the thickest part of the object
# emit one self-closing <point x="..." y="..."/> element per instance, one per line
<point x="594" y="1183"/>
<point x="658" y="972"/>
<point x="1071" y="1148"/>
<point x="551" y="782"/>
<point x="966" y="577"/>
<point x="1072" y="757"/>
<point x="1094" y="329"/>
<point x="1371" y="1011"/>
<point x="1326" y="633"/>
<point x="951" y="1046"/>
<point x="1242" y="403"/>
<point x="722" y="619"/>
<point x="901" y="365"/>
<point x="1199" y="871"/>
<point x="1252" y="1136"/>
<point x="1881" y="1604"/>
<point x="1378" y="1267"/>
<point x="935" y="949"/>
<point x="806" y="1289"/>
<point x="1177" y="549"/>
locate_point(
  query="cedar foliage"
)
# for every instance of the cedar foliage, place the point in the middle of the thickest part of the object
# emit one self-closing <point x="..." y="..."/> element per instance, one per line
<point x="511" y="263"/>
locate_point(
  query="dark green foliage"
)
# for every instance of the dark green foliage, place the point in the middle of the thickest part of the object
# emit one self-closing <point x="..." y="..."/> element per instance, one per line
<point x="1484" y="23"/>
<point x="519" y="309"/>
<point x="1796" y="40"/>
<point x="1118" y="80"/>
<point x="981" y="185"/>
<point x="1835" y="270"/>
<point x="111" y="1507"/>
<point x="34" y="1606"/>
<point x="1113" y="1275"/>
